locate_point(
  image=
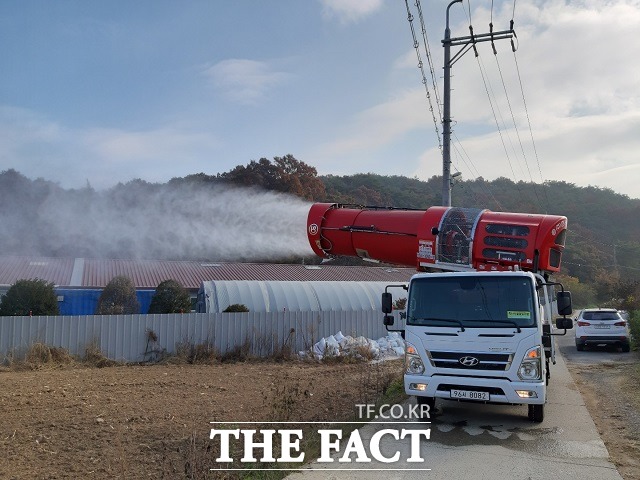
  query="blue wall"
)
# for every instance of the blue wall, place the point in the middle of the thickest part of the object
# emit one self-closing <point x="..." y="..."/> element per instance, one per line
<point x="83" y="301"/>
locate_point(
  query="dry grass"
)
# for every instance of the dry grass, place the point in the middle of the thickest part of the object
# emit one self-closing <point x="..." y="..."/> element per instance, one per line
<point x="193" y="354"/>
<point x="94" y="357"/>
<point x="119" y="418"/>
<point x="40" y="355"/>
<point x="285" y="402"/>
<point x="257" y="349"/>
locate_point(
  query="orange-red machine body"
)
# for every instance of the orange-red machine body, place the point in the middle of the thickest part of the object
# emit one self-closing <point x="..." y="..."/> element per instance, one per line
<point x="446" y="238"/>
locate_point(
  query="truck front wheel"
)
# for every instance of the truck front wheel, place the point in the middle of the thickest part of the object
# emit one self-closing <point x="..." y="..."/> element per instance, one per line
<point x="430" y="401"/>
<point x="536" y="413"/>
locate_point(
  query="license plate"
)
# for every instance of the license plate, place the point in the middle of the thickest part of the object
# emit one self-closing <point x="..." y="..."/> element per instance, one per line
<point x="602" y="326"/>
<point x="469" y="395"/>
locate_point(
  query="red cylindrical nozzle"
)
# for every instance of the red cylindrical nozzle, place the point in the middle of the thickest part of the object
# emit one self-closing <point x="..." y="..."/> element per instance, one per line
<point x="386" y="235"/>
<point x="447" y="238"/>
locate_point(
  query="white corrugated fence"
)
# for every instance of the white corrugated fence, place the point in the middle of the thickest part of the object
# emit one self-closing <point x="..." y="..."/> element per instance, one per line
<point x="127" y="337"/>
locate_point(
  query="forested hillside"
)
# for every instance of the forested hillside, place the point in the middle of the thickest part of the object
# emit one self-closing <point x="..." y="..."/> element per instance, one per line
<point x="604" y="227"/>
<point x="603" y="245"/>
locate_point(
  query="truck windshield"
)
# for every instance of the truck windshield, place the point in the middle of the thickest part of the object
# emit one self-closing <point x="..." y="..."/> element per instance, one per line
<point x="472" y="302"/>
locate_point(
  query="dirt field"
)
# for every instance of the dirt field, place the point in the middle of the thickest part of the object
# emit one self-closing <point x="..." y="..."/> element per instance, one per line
<point x="153" y="421"/>
<point x="612" y="395"/>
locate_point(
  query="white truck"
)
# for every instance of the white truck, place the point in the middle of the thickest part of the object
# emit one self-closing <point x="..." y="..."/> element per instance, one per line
<point x="480" y="336"/>
<point x="478" y="325"/>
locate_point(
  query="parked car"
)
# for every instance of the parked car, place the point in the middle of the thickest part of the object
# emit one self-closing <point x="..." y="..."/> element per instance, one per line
<point x="602" y="326"/>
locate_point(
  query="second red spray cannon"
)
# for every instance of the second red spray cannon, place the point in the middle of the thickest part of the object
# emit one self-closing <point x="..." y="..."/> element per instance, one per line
<point x="447" y="238"/>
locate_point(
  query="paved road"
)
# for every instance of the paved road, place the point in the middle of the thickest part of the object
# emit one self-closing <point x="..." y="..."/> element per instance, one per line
<point x="469" y="441"/>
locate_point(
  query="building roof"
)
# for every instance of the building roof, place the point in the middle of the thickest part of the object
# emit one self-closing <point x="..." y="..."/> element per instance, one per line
<point x="291" y="296"/>
<point x="96" y="273"/>
<point x="56" y="270"/>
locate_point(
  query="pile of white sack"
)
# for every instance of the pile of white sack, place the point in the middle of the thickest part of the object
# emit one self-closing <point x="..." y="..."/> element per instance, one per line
<point x="391" y="346"/>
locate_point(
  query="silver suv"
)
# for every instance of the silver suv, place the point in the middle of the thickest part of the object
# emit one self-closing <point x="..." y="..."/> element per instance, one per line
<point x="602" y="326"/>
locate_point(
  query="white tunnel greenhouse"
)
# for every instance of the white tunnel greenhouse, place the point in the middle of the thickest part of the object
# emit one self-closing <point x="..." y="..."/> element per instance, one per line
<point x="279" y="296"/>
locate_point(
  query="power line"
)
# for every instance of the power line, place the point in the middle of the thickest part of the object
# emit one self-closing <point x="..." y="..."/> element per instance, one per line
<point x="515" y="126"/>
<point x="486" y="189"/>
<point x="427" y="49"/>
<point x="526" y="110"/>
<point x="466" y="159"/>
<point x="513" y="12"/>
<point x="495" y="118"/>
<point x="495" y="108"/>
<point x="416" y="46"/>
<point x="470" y="166"/>
<point x="467" y="43"/>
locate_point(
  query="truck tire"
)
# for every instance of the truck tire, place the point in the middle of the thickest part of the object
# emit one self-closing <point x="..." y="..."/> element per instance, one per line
<point x="626" y="348"/>
<point x="430" y="401"/>
<point x="536" y="413"/>
<point x="580" y="347"/>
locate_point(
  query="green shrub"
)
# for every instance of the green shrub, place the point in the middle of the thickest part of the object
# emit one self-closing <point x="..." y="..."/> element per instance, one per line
<point x="170" y="297"/>
<point x="236" y="307"/>
<point x="30" y="297"/>
<point x="634" y="326"/>
<point x="118" y="298"/>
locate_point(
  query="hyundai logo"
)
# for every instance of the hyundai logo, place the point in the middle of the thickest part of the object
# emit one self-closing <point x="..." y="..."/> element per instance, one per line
<point x="469" y="361"/>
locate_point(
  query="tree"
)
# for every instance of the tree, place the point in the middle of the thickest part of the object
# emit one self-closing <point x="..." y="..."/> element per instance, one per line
<point x="285" y="174"/>
<point x="118" y="298"/>
<point x="582" y="294"/>
<point x="30" y="297"/>
<point x="298" y="178"/>
<point x="170" y="297"/>
<point x="628" y="291"/>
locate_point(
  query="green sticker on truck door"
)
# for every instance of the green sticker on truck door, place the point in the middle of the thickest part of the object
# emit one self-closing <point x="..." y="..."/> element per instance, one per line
<point x="524" y="314"/>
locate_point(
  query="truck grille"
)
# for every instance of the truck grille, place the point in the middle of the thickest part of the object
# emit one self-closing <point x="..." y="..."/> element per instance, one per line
<point x="471" y="360"/>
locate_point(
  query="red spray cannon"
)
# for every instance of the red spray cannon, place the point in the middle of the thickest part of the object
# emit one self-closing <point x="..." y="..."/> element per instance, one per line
<point x="446" y="238"/>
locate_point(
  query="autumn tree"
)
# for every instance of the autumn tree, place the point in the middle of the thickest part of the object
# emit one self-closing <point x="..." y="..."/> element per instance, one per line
<point x="285" y="174"/>
<point x="261" y="173"/>
<point x="299" y="178"/>
<point x="30" y="297"/>
<point x="118" y="298"/>
<point x="628" y="291"/>
<point x="170" y="297"/>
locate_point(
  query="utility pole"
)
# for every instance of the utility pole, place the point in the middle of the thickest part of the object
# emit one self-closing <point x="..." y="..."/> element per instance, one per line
<point x="467" y="44"/>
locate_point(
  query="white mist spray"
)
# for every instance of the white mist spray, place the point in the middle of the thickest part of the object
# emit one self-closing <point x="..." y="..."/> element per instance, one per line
<point x="183" y="221"/>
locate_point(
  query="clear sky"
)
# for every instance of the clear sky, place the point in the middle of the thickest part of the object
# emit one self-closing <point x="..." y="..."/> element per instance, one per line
<point x="106" y="91"/>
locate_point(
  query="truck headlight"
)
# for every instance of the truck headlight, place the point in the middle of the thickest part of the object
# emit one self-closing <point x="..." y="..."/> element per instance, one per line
<point x="412" y="361"/>
<point x="531" y="365"/>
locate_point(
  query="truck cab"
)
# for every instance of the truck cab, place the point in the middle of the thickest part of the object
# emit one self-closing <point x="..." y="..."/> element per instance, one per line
<point x="479" y="336"/>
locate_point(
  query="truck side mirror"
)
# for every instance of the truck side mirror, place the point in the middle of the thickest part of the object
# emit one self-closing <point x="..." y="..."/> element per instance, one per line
<point x="387" y="321"/>
<point x="387" y="303"/>
<point x="564" y="303"/>
<point x="564" y="323"/>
